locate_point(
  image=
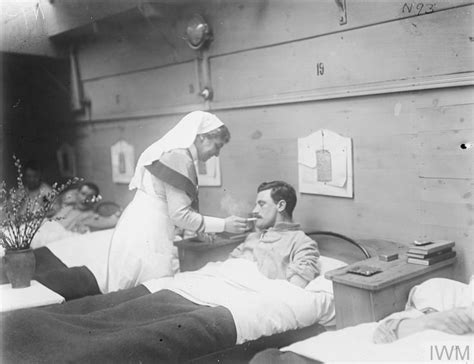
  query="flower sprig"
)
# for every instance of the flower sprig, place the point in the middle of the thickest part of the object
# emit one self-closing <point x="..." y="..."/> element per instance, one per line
<point x="95" y="199"/>
<point x="21" y="216"/>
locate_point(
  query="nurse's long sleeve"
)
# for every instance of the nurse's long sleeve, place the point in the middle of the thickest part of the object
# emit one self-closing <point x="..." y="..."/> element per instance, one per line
<point x="183" y="215"/>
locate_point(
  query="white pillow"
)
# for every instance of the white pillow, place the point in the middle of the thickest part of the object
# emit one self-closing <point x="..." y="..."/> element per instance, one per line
<point x="327" y="264"/>
<point x="320" y="283"/>
<point x="441" y="294"/>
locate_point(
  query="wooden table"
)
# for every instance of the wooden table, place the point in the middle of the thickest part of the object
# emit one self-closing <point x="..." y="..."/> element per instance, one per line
<point x="194" y="254"/>
<point x="361" y="299"/>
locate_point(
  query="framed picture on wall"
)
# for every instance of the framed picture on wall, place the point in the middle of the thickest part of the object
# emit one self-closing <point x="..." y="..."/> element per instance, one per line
<point x="123" y="161"/>
<point x="209" y="173"/>
<point x="66" y="156"/>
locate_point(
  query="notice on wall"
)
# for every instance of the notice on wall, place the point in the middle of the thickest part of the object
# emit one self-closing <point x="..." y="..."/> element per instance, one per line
<point x="209" y="172"/>
<point x="325" y="164"/>
<point x="123" y="161"/>
<point x="66" y="155"/>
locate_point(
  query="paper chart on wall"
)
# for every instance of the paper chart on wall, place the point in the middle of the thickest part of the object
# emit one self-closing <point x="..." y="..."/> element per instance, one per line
<point x="325" y="164"/>
<point x="66" y="156"/>
<point x="123" y="161"/>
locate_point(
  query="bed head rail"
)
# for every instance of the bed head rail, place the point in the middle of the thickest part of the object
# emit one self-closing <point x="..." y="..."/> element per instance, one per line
<point x="107" y="208"/>
<point x="339" y="246"/>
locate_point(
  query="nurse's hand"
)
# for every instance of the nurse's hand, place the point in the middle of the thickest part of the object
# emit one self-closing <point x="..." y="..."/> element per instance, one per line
<point x="235" y="225"/>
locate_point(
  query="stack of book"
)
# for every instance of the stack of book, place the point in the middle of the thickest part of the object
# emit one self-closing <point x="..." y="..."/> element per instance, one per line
<point x="431" y="252"/>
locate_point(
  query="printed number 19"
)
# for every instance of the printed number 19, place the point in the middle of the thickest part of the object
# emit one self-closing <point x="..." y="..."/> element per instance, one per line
<point x="320" y="69"/>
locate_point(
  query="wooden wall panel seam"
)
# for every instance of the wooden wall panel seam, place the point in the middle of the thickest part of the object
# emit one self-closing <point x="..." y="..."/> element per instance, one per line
<point x="139" y="70"/>
<point x="448" y="178"/>
<point x="385" y="87"/>
<point x="342" y="30"/>
<point x="276" y="44"/>
<point x="297" y="97"/>
<point x="138" y="116"/>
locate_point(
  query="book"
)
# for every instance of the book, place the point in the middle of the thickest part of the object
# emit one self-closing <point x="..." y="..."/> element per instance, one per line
<point x="424" y="256"/>
<point x="433" y="260"/>
<point x="434" y="246"/>
<point x="364" y="270"/>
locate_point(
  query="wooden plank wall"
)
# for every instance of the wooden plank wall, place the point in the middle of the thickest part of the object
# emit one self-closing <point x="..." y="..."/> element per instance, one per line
<point x="359" y="57"/>
<point x="411" y="179"/>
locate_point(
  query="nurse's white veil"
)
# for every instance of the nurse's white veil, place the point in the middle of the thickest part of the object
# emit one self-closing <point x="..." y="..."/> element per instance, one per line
<point x="181" y="136"/>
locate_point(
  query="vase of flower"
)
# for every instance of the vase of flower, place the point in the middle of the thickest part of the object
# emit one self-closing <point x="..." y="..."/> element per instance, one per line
<point x="19" y="267"/>
<point x="21" y="216"/>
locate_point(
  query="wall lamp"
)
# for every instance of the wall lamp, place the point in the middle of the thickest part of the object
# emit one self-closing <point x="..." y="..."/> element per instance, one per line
<point x="198" y="36"/>
<point x="198" y="32"/>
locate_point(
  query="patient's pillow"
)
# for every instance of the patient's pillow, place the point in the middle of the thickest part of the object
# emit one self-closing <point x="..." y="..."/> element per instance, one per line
<point x="441" y="294"/>
<point x="320" y="283"/>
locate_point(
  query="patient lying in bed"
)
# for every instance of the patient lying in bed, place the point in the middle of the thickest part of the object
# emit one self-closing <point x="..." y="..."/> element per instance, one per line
<point x="438" y="312"/>
<point x="426" y="311"/>
<point x="79" y="216"/>
<point x="74" y="214"/>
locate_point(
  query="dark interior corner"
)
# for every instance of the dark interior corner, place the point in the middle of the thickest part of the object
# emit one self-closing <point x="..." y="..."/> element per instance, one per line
<point x="35" y="103"/>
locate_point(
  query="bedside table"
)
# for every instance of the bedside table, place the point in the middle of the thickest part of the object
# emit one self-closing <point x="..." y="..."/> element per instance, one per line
<point x="361" y="299"/>
<point x="194" y="254"/>
<point x="33" y="296"/>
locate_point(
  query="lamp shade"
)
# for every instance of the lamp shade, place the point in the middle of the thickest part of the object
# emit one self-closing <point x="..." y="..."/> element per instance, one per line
<point x="198" y="32"/>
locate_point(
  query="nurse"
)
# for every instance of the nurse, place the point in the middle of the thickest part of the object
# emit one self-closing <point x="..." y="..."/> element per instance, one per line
<point x="166" y="196"/>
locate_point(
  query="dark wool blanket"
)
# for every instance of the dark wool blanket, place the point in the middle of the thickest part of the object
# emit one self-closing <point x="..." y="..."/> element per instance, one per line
<point x="129" y="326"/>
<point x="50" y="271"/>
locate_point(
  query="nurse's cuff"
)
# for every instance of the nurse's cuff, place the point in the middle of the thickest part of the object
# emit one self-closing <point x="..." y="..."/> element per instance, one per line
<point x="213" y="224"/>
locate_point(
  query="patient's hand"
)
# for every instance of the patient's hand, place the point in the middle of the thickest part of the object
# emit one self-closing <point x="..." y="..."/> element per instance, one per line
<point x="457" y="321"/>
<point x="81" y="229"/>
<point x="298" y="281"/>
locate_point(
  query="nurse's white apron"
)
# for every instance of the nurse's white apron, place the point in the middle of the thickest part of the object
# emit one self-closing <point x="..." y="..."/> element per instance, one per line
<point x="142" y="244"/>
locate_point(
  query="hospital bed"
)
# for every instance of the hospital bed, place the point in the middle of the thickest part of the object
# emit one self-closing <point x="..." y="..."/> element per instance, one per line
<point x="136" y="325"/>
<point x="358" y="341"/>
<point x="331" y="245"/>
<point x="354" y="344"/>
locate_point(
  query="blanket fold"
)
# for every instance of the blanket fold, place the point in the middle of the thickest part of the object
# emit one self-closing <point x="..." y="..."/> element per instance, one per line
<point x="130" y="326"/>
<point x="71" y="283"/>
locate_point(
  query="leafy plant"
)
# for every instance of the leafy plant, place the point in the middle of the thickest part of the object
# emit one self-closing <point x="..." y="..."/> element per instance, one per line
<point x="20" y="215"/>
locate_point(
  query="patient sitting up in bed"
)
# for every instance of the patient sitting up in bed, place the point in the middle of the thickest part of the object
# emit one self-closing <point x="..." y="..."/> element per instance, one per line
<point x="280" y="248"/>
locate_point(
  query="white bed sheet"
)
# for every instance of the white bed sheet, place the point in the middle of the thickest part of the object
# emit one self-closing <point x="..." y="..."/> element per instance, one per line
<point x="50" y="232"/>
<point x="90" y="250"/>
<point x="354" y="345"/>
<point x="259" y="306"/>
